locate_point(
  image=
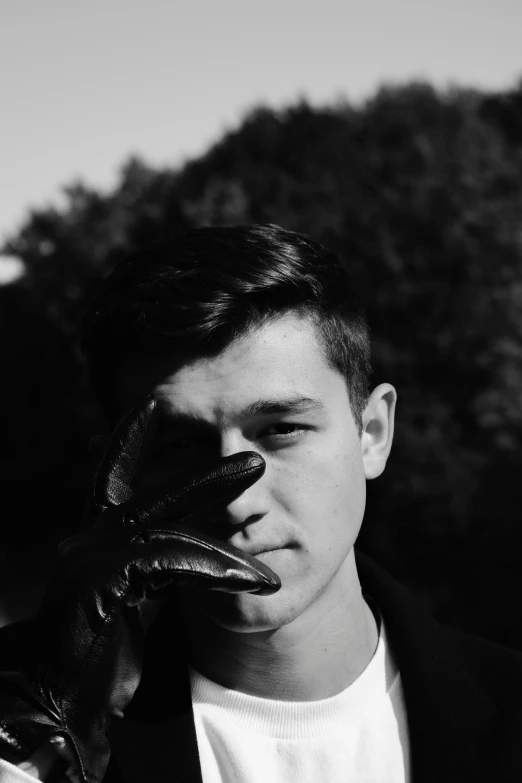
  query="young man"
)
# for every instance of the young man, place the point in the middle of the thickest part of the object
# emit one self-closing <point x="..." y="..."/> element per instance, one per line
<point x="243" y="359"/>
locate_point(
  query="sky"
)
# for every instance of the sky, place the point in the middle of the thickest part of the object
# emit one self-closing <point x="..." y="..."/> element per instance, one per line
<point x="83" y="85"/>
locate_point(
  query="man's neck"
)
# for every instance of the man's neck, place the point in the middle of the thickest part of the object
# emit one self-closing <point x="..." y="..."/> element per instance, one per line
<point x="314" y="657"/>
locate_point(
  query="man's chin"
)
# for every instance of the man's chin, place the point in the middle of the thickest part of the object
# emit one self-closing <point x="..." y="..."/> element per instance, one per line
<point x="242" y="613"/>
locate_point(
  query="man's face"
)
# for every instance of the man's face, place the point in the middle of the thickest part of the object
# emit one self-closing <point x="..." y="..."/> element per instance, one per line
<point x="272" y="392"/>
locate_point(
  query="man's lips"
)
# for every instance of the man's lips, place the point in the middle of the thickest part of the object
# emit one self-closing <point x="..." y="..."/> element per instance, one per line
<point x="255" y="551"/>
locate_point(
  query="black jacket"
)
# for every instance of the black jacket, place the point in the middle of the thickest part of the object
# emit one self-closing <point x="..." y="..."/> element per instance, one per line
<point x="463" y="700"/>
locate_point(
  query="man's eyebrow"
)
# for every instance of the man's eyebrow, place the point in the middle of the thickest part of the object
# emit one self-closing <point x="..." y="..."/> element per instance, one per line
<point x="285" y="405"/>
<point x="264" y="407"/>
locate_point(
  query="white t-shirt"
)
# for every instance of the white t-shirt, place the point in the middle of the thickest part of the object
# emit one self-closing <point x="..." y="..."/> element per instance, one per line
<point x="359" y="735"/>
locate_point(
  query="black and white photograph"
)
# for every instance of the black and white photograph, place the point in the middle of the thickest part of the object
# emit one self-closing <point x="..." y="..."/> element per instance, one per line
<point x="261" y="391"/>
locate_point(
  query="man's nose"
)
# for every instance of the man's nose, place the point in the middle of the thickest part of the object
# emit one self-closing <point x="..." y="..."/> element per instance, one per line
<point x="253" y="502"/>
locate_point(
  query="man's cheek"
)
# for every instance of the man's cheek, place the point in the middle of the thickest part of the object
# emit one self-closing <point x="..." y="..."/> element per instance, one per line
<point x="300" y="466"/>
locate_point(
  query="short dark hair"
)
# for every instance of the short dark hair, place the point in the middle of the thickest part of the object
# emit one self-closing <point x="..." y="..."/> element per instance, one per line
<point x="192" y="295"/>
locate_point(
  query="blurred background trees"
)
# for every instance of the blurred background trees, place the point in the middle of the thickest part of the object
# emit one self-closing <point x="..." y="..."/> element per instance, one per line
<point x="420" y="193"/>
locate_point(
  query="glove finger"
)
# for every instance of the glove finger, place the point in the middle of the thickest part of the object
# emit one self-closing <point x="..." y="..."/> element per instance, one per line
<point x="194" y="559"/>
<point x="129" y="444"/>
<point x="214" y="485"/>
<point x="197" y="499"/>
<point x="131" y="561"/>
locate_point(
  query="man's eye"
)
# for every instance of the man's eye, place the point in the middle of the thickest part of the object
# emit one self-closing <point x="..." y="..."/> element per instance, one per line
<point x="283" y="430"/>
<point x="175" y="447"/>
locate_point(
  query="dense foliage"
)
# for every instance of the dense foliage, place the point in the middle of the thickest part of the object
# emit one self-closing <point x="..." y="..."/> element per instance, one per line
<point x="420" y="192"/>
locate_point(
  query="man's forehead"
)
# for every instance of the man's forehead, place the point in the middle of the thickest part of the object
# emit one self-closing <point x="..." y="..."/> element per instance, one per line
<point x="279" y="365"/>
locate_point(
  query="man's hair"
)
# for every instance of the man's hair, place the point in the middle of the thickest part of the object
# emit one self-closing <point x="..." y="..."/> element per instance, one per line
<point x="192" y="295"/>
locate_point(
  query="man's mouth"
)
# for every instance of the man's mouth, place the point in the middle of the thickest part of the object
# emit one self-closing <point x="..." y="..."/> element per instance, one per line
<point x="256" y="551"/>
<point x="256" y="548"/>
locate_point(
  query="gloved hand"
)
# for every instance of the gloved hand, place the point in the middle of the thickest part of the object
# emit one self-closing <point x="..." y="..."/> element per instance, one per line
<point x="82" y="663"/>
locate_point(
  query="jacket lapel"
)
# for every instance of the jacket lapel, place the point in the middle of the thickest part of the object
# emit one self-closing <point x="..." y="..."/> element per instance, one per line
<point x="156" y="742"/>
<point x="451" y="722"/>
<point x="155" y="753"/>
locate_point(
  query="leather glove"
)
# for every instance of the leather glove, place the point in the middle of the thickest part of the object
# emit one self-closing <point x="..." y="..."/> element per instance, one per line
<point x="82" y="662"/>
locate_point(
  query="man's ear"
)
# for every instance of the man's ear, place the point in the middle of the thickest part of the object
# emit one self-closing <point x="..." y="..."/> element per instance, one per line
<point x="377" y="434"/>
<point x="97" y="446"/>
